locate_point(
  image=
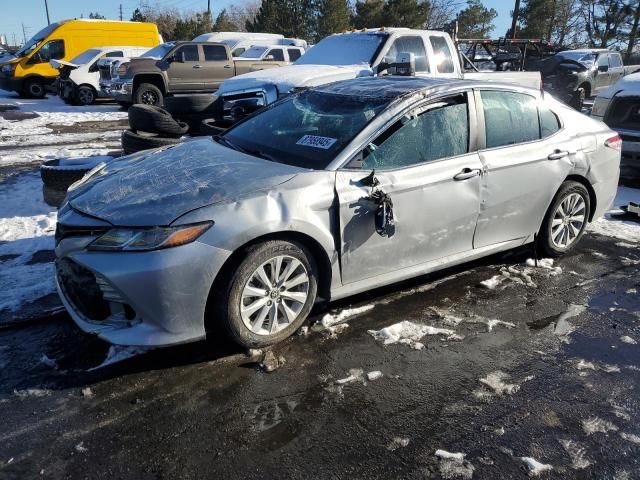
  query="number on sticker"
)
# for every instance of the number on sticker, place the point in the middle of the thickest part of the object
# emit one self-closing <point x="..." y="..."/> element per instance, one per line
<point x="316" y="142"/>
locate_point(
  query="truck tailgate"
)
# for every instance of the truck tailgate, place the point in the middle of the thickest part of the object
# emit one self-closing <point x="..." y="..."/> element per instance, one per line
<point x="524" y="79"/>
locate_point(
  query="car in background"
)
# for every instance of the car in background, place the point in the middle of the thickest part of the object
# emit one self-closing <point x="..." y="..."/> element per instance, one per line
<point x="272" y="53"/>
<point x="79" y="79"/>
<point x="238" y="42"/>
<point x="30" y="73"/>
<point x="619" y="107"/>
<point x="184" y="68"/>
<point x="575" y="75"/>
<point x="331" y="191"/>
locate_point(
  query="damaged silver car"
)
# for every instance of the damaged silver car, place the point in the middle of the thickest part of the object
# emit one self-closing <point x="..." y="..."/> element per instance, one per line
<point x="326" y="193"/>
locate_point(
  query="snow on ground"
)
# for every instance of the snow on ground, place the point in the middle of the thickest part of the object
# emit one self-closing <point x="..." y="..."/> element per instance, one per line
<point x="625" y="230"/>
<point x="597" y="425"/>
<point x="453" y="465"/>
<point x="535" y="467"/>
<point x="408" y="333"/>
<point x="118" y="353"/>
<point x="27" y="225"/>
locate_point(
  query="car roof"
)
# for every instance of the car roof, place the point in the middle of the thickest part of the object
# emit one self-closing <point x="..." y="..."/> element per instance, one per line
<point x="392" y="86"/>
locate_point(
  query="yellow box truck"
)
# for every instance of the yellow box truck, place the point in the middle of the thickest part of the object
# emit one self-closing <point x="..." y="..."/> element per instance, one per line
<point x="30" y="73"/>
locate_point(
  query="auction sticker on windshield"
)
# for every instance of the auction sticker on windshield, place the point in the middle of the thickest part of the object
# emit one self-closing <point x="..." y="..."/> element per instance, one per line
<point x="317" y="142"/>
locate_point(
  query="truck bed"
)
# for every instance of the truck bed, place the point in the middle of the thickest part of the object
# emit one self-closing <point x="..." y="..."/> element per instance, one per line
<point x="525" y="79"/>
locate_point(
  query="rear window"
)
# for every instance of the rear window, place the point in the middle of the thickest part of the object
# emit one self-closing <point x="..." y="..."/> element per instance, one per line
<point x="615" y="60"/>
<point x="510" y="118"/>
<point x="214" y="53"/>
<point x="306" y="130"/>
<point x="277" y="54"/>
<point x="413" y="45"/>
<point x="253" y="52"/>
<point x="442" y="54"/>
<point x="294" y="54"/>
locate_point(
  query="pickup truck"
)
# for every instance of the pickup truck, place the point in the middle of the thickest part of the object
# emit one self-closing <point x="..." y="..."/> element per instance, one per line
<point x="184" y="67"/>
<point x="342" y="56"/>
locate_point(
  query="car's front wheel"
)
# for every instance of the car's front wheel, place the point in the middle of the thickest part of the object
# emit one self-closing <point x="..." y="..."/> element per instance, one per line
<point x="270" y="293"/>
<point x="566" y="219"/>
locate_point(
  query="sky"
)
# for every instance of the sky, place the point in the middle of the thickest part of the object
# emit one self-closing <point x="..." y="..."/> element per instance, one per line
<point x="31" y="13"/>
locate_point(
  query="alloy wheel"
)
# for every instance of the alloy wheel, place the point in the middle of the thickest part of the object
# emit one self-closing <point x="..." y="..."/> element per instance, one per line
<point x="274" y="295"/>
<point x="149" y="98"/>
<point x="85" y="96"/>
<point x="568" y="220"/>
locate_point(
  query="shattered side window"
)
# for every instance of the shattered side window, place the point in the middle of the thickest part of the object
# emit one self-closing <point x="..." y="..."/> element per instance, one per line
<point x="442" y="131"/>
<point x="509" y="117"/>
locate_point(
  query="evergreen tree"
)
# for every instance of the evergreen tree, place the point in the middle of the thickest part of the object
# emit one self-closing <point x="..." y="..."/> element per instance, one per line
<point x="292" y="18"/>
<point x="96" y="16"/>
<point x="368" y="14"/>
<point x="406" y="13"/>
<point x="137" y="16"/>
<point x="223" y="23"/>
<point x="185" y="29"/>
<point x="333" y="16"/>
<point x="476" y="21"/>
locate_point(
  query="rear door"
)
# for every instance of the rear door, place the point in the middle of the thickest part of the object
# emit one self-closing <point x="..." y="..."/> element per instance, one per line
<point x="526" y="156"/>
<point x="616" y="68"/>
<point x="216" y="68"/>
<point x="184" y="76"/>
<point x="424" y="162"/>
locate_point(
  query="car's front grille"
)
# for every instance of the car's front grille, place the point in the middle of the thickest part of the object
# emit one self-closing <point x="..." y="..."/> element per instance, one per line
<point x="82" y="289"/>
<point x="65" y="71"/>
<point x="66" y="231"/>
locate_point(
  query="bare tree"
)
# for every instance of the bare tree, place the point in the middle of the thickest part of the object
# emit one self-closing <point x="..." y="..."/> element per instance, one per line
<point x="604" y="20"/>
<point x="442" y="12"/>
<point x="239" y="15"/>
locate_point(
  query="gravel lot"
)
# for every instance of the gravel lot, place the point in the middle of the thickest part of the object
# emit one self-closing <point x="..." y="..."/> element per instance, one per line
<point x="533" y="373"/>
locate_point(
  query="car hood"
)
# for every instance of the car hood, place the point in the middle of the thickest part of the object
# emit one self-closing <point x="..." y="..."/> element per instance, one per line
<point x="155" y="188"/>
<point x="293" y="76"/>
<point x="60" y="63"/>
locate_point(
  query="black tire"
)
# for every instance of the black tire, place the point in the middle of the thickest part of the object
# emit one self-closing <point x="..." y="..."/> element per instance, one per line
<point x="136" y="141"/>
<point x="578" y="99"/>
<point x="52" y="196"/>
<point x="149" y="118"/>
<point x="85" y="95"/>
<point x="148" y="94"/>
<point x="34" y="88"/>
<point x="193" y="104"/>
<point x="58" y="178"/>
<point x="124" y="105"/>
<point x="208" y="127"/>
<point x="545" y="242"/>
<point x="228" y="308"/>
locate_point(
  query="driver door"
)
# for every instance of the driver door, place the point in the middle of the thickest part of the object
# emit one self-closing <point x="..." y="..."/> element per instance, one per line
<point x="425" y="164"/>
<point x="184" y="76"/>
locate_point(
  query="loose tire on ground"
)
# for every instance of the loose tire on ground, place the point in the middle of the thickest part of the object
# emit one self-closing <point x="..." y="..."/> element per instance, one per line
<point x="52" y="196"/>
<point x="148" y="94"/>
<point x="60" y="179"/>
<point x="149" y="118"/>
<point x="575" y="201"/>
<point x="208" y="127"/>
<point x="192" y="104"/>
<point x="136" y="141"/>
<point x="229" y="306"/>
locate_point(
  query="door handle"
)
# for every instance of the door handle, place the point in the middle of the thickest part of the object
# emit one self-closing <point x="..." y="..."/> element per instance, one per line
<point x="467" y="173"/>
<point x="197" y="66"/>
<point x="558" y="154"/>
<point x="227" y="66"/>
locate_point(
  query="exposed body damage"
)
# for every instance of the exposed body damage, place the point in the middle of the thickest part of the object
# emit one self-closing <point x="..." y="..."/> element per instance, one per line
<point x="445" y="212"/>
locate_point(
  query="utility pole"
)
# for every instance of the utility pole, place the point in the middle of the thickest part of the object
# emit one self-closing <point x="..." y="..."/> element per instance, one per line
<point x="24" y="34"/>
<point x="120" y="12"/>
<point x="46" y="6"/>
<point x="209" y="7"/>
<point x="514" y="21"/>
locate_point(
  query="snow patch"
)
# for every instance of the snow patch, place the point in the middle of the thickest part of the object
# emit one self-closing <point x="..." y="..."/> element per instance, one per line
<point x="628" y="339"/>
<point x="630" y="437"/>
<point x="333" y="323"/>
<point x="453" y="465"/>
<point x="32" y="392"/>
<point x="397" y="442"/>
<point x="49" y="362"/>
<point x="408" y="333"/>
<point x="577" y="453"/>
<point x="496" y="382"/>
<point x="535" y="467"/>
<point x="375" y="375"/>
<point x="80" y="448"/>
<point x="355" y="375"/>
<point x="609" y="225"/>
<point x="595" y="424"/>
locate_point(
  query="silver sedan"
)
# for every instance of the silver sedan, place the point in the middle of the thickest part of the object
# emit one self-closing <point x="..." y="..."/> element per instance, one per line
<point x="326" y="193"/>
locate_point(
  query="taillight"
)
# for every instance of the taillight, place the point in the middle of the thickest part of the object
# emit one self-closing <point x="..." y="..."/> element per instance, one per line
<point x="614" y="142"/>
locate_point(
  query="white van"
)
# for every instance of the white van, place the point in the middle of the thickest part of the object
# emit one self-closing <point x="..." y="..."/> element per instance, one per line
<point x="79" y="79"/>
<point x="238" y="42"/>
<point x="272" y="53"/>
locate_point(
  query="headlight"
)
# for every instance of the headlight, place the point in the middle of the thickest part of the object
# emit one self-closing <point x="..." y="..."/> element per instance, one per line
<point x="600" y="106"/>
<point x="8" y="69"/>
<point x="145" y="239"/>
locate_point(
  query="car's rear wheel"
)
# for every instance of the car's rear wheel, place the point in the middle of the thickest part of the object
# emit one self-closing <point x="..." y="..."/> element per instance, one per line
<point x="566" y="219"/>
<point x="85" y="95"/>
<point x="270" y="294"/>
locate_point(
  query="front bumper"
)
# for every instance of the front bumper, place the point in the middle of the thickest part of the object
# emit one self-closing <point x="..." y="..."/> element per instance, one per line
<point x="237" y="105"/>
<point x="153" y="298"/>
<point x="121" y="90"/>
<point x="11" y="84"/>
<point x="65" y="88"/>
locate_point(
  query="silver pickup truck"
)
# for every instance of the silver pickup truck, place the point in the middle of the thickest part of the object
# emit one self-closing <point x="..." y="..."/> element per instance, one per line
<point x="343" y="56"/>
